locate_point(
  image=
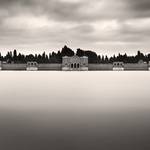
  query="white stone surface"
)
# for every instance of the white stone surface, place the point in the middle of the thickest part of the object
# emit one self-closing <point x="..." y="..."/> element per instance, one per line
<point x="84" y="69"/>
<point x="31" y="68"/>
<point x="65" y="68"/>
<point x="118" y="69"/>
<point x="77" y="69"/>
<point x="75" y="63"/>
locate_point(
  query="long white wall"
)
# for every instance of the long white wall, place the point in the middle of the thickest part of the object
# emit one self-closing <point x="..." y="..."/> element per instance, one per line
<point x="91" y="67"/>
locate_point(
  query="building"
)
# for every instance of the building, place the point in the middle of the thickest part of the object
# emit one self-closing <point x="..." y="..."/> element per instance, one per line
<point x="75" y="63"/>
<point x="118" y="66"/>
<point x="141" y="62"/>
<point x="0" y="65"/>
<point x="32" y="66"/>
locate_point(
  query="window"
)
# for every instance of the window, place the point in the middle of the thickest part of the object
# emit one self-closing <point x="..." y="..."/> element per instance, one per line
<point x="71" y="65"/>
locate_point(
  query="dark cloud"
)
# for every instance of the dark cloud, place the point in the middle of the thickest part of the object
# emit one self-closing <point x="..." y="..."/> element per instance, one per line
<point x="140" y="5"/>
<point x="54" y="9"/>
<point x="82" y="10"/>
<point x="28" y="22"/>
<point x="138" y="8"/>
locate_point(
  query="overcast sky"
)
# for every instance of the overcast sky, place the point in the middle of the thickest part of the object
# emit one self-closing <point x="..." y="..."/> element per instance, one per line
<point x="105" y="26"/>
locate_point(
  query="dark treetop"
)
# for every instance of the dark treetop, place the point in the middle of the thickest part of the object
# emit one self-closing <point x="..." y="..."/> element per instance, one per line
<point x="15" y="57"/>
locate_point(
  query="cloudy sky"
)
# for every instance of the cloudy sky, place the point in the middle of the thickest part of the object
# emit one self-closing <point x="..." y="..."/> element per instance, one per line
<point x="105" y="26"/>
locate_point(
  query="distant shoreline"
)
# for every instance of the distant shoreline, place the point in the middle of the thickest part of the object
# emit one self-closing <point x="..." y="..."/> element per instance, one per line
<point x="68" y="60"/>
<point x="56" y="57"/>
<point x="116" y="66"/>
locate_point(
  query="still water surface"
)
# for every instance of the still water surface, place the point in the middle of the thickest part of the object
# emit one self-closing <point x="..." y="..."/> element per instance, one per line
<point x="74" y="110"/>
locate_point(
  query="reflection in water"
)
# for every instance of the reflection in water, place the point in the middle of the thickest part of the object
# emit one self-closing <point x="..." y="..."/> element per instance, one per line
<point x="74" y="110"/>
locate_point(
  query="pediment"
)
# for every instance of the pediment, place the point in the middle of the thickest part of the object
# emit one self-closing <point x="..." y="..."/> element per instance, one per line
<point x="76" y="57"/>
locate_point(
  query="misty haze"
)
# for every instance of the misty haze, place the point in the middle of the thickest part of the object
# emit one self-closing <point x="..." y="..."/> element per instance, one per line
<point x="74" y="110"/>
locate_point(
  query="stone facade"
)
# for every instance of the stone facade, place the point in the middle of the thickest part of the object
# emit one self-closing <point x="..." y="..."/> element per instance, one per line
<point x="75" y="63"/>
<point x="0" y="65"/>
<point x="32" y="66"/>
<point x="118" y="66"/>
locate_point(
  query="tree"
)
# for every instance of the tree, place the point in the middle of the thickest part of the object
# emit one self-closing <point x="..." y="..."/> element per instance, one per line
<point x="92" y="56"/>
<point x="15" y="55"/>
<point x="80" y="52"/>
<point x="56" y="57"/>
<point x="67" y="51"/>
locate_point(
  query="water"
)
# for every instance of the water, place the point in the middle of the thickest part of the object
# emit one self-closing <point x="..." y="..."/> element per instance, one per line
<point x="74" y="110"/>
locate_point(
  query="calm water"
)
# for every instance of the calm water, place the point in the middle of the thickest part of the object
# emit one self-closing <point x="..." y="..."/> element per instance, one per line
<point x="74" y="110"/>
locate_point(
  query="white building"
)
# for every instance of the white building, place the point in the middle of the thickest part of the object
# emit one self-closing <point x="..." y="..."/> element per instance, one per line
<point x="75" y="63"/>
<point x="118" y="66"/>
<point x="32" y="66"/>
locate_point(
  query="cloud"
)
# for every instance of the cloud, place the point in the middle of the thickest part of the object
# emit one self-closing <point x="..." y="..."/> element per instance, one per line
<point x="78" y="22"/>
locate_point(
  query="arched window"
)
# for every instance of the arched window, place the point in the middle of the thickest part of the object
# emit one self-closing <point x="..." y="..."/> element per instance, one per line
<point x="78" y="66"/>
<point x="75" y="65"/>
<point x="71" y="65"/>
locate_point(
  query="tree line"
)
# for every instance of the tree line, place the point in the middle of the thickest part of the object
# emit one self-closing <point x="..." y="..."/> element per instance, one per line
<point x="56" y="57"/>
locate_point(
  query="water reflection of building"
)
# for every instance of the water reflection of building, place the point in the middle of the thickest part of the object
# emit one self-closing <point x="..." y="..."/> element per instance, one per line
<point x="75" y="63"/>
<point x="32" y="66"/>
<point x="118" y="66"/>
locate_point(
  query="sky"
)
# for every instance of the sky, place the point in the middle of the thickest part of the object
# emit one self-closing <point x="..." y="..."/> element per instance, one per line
<point x="104" y="26"/>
